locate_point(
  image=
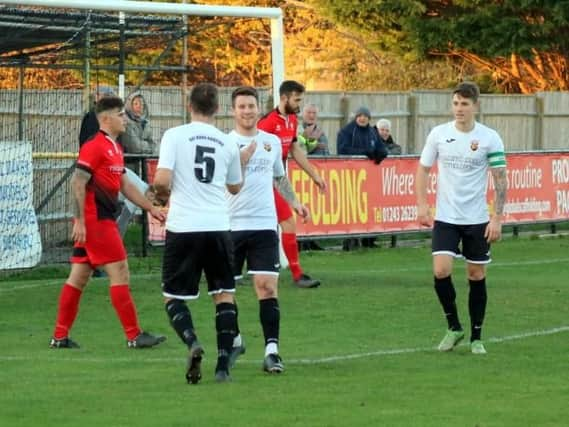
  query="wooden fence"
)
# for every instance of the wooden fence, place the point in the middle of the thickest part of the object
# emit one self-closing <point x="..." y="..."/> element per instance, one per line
<point x="51" y="121"/>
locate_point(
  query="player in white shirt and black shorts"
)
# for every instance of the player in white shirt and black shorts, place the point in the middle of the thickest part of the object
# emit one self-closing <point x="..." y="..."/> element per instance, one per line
<point x="197" y="164"/>
<point x="254" y="219"/>
<point x="464" y="151"/>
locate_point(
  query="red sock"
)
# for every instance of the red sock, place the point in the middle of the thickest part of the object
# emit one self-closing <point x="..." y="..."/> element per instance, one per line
<point x="126" y="311"/>
<point x="67" y="310"/>
<point x="290" y="247"/>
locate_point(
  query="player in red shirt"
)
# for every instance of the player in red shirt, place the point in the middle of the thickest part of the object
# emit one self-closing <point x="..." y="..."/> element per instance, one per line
<point x="282" y="122"/>
<point x="98" y="178"/>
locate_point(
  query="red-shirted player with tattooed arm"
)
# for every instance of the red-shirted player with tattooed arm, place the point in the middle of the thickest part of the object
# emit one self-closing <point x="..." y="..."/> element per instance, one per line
<point x="282" y="122"/>
<point x="98" y="178"/>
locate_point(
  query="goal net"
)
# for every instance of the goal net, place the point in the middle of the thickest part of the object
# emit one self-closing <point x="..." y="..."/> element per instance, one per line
<point x="61" y="53"/>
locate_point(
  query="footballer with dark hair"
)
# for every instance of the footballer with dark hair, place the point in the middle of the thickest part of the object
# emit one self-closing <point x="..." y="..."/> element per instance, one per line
<point x="197" y="165"/>
<point x="465" y="151"/>
<point x="283" y="122"/>
<point x="98" y="178"/>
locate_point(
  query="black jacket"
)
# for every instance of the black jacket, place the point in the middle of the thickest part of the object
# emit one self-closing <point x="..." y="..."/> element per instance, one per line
<point x="392" y="146"/>
<point x="356" y="140"/>
<point x="89" y="127"/>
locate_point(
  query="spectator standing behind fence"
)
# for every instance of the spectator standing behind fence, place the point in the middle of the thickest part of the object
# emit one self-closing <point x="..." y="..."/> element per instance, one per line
<point x="314" y="141"/>
<point x="383" y="127"/>
<point x="359" y="138"/>
<point x="137" y="138"/>
<point x="311" y="136"/>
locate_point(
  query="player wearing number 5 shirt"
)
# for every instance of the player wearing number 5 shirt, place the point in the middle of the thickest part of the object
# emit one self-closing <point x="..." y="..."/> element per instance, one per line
<point x="197" y="164"/>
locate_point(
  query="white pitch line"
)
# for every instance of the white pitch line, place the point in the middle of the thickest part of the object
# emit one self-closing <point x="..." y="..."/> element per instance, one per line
<point x="329" y="359"/>
<point x="515" y="337"/>
<point x="42" y="283"/>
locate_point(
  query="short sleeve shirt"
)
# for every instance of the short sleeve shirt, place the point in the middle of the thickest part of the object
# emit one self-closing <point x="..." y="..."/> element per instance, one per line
<point x="253" y="208"/>
<point x="463" y="160"/>
<point x="102" y="157"/>
<point x="284" y="127"/>
<point x="202" y="160"/>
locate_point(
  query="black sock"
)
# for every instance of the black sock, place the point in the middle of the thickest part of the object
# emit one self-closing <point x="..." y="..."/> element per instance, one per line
<point x="270" y="315"/>
<point x="237" y="330"/>
<point x="225" y="327"/>
<point x="181" y="321"/>
<point x="477" y="307"/>
<point x="447" y="297"/>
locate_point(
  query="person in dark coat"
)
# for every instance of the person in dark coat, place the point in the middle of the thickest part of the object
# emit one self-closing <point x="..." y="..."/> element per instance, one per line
<point x="359" y="138"/>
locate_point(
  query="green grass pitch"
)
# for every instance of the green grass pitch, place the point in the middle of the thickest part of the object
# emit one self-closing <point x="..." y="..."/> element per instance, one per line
<point x="358" y="351"/>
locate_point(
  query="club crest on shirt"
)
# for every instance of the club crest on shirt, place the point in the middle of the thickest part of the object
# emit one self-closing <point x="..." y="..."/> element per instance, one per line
<point x="267" y="147"/>
<point x="110" y="152"/>
<point x="474" y="145"/>
<point x="278" y="128"/>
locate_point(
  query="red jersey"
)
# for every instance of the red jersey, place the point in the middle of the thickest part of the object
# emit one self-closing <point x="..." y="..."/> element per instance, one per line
<point x="102" y="157"/>
<point x="282" y="126"/>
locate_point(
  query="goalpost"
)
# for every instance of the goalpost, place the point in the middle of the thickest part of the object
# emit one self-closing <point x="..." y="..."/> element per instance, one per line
<point x="39" y="129"/>
<point x="274" y="14"/>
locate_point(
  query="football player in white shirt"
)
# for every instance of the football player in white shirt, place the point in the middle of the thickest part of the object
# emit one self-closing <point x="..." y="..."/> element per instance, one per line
<point x="254" y="218"/>
<point x="197" y="164"/>
<point x="464" y="151"/>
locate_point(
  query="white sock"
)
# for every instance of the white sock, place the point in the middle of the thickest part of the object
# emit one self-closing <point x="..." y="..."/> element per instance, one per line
<point x="237" y="341"/>
<point x="271" y="348"/>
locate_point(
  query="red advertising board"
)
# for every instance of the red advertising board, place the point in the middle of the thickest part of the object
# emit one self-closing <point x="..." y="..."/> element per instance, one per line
<point x="366" y="198"/>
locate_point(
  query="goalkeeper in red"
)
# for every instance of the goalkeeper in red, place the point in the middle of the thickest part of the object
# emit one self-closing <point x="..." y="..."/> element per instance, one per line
<point x="97" y="180"/>
<point x="282" y="122"/>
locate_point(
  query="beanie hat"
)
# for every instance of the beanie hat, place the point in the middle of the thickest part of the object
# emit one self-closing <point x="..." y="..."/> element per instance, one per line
<point x="363" y="111"/>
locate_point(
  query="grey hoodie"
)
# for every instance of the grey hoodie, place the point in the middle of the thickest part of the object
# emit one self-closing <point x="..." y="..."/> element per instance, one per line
<point x="137" y="138"/>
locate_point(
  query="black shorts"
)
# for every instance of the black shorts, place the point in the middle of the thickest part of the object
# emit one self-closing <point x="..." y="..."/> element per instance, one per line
<point x="186" y="255"/>
<point x="475" y="248"/>
<point x="261" y="250"/>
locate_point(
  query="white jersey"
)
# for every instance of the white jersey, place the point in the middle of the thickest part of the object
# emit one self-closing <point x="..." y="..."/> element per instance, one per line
<point x="253" y="208"/>
<point x="463" y="160"/>
<point x="202" y="160"/>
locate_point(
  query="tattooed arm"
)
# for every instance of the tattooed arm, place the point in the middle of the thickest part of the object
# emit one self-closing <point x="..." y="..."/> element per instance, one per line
<point x="282" y="184"/>
<point x="494" y="229"/>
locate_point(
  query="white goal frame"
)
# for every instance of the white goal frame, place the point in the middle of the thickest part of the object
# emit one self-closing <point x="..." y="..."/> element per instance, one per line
<point x="274" y="14"/>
